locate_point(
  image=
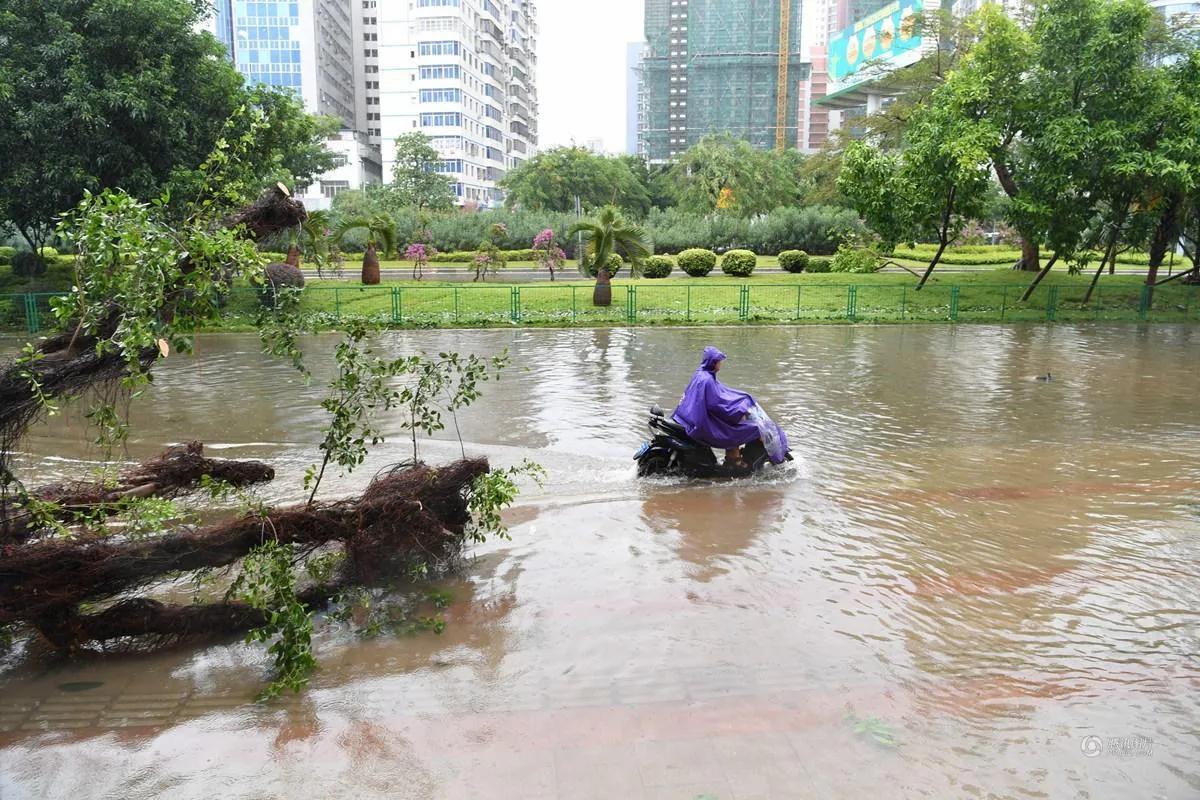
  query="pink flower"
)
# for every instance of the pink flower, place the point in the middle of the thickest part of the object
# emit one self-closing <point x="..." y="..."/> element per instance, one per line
<point x="543" y="240"/>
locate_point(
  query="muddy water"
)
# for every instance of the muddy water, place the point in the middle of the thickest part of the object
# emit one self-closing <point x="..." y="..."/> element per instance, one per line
<point x="969" y="584"/>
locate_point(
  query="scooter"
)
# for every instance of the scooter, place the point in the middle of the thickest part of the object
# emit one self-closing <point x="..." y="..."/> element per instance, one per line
<point x="673" y="452"/>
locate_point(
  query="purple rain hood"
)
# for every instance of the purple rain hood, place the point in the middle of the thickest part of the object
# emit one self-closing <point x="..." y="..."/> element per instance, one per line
<point x="711" y="412"/>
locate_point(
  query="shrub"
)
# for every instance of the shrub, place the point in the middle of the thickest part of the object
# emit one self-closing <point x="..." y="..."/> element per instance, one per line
<point x="658" y="267"/>
<point x="614" y="265"/>
<point x="850" y="259"/>
<point x="463" y="256"/>
<point x="793" y="260"/>
<point x="6" y="254"/>
<point x="27" y="264"/>
<point x="818" y="264"/>
<point x="697" y="262"/>
<point x="49" y="252"/>
<point x="739" y="263"/>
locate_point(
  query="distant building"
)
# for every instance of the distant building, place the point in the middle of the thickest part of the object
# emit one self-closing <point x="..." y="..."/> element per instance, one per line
<point x="306" y="47"/>
<point x="721" y="66"/>
<point x="463" y="73"/>
<point x="594" y="145"/>
<point x="633" y="94"/>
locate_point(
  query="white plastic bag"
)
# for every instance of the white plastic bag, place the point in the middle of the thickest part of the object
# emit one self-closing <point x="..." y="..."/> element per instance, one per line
<point x="768" y="431"/>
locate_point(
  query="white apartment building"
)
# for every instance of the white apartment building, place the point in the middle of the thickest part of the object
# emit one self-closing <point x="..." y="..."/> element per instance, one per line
<point x="463" y="73"/>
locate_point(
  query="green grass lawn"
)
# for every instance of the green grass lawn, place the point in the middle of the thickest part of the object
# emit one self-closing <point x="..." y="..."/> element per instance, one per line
<point x="977" y="296"/>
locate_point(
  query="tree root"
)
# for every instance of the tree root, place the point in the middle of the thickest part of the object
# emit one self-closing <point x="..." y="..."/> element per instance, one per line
<point x="412" y="514"/>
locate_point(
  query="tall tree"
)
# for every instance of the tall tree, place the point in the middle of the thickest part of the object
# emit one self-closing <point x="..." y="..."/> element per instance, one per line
<point x="126" y="94"/>
<point x="416" y="183"/>
<point x="551" y="180"/>
<point x="722" y="173"/>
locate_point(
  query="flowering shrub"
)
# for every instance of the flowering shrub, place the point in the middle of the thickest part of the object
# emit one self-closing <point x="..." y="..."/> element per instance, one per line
<point x="419" y="253"/>
<point x="546" y="253"/>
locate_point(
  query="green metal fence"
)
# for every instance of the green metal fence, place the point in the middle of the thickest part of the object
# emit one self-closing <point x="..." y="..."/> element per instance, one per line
<point x="441" y="306"/>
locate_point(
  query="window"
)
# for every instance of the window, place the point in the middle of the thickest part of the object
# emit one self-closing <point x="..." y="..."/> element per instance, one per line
<point x="440" y="72"/>
<point x="454" y="165"/>
<point x="441" y="120"/>
<point x="446" y="48"/>
<point x="332" y="188"/>
<point x="440" y="96"/>
<point x="437" y="3"/>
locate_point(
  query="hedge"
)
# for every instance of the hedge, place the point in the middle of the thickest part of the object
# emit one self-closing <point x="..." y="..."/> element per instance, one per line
<point x="739" y="263"/>
<point x="658" y="267"/>
<point x="819" y="264"/>
<point x="6" y="254"/>
<point x="793" y="260"/>
<point x="697" y="262"/>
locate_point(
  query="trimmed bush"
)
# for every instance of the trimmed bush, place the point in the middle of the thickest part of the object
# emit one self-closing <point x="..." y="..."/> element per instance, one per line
<point x="739" y="263"/>
<point x="658" y="267"/>
<point x="849" y="259"/>
<point x="6" y="254"/>
<point x="26" y="264"/>
<point x="457" y="256"/>
<point x="793" y="260"/>
<point x="49" y="252"/>
<point x="697" y="262"/>
<point x="614" y="265"/>
<point x="818" y="264"/>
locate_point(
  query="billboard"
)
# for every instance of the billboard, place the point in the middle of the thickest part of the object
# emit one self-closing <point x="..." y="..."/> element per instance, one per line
<point x="883" y="36"/>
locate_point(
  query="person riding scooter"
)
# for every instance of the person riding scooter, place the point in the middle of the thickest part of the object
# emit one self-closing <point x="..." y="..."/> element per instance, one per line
<point x="718" y="416"/>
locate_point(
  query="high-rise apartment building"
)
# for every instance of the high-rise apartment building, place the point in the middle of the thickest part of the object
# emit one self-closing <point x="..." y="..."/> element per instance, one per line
<point x="721" y="66"/>
<point x="463" y="73"/>
<point x="633" y="94"/>
<point x="308" y="47"/>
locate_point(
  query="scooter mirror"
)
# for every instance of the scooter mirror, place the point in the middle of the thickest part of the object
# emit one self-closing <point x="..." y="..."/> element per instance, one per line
<point x="657" y="411"/>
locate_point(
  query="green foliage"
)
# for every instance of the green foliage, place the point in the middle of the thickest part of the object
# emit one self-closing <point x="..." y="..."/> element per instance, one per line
<point x="725" y="174"/>
<point x="793" y="260"/>
<point x="380" y="230"/>
<point x="267" y="582"/>
<point x="610" y="234"/>
<point x="6" y="255"/>
<point x="110" y="94"/>
<point x="415" y="181"/>
<point x="697" y="262"/>
<point x="552" y="179"/>
<point x="462" y="256"/>
<point x="27" y="264"/>
<point x="874" y="729"/>
<point x="658" y="267"/>
<point x="491" y="493"/>
<point x="739" y="263"/>
<point x="615" y="262"/>
<point x="859" y="261"/>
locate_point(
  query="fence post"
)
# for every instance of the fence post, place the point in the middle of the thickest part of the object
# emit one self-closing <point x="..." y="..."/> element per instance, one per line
<point x="1144" y="302"/>
<point x="395" y="305"/>
<point x="851" y="303"/>
<point x="1003" y="303"/>
<point x="400" y="304"/>
<point x="516" y="304"/>
<point x="337" y="304"/>
<point x="574" y="312"/>
<point x="744" y="305"/>
<point x="797" y="301"/>
<point x="1052" y="304"/>
<point x="33" y="323"/>
<point x="455" y="305"/>
<point x="689" y="303"/>
<point x="904" y="301"/>
<point x="631" y="304"/>
<point x="954" y="304"/>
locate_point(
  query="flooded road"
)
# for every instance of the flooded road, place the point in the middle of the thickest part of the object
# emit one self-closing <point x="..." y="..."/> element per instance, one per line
<point x="969" y="584"/>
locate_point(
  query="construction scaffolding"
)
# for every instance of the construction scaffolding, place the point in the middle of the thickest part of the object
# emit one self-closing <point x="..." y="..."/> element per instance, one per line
<point x="721" y="66"/>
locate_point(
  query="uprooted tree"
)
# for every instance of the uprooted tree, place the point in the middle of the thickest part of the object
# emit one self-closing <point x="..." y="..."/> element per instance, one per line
<point x="81" y="558"/>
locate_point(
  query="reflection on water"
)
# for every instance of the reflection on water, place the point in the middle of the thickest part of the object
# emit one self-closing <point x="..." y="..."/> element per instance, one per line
<point x="965" y="574"/>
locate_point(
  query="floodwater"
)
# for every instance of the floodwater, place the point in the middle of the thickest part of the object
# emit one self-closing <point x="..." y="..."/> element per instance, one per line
<point x="969" y="584"/>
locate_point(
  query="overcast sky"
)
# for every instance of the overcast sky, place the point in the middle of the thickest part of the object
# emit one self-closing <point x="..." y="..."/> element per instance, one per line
<point x="581" y="69"/>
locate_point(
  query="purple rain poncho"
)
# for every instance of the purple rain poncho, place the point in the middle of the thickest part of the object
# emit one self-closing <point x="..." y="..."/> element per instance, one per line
<point x="711" y="412"/>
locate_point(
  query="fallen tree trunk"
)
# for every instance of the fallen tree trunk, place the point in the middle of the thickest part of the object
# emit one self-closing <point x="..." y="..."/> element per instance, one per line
<point x="176" y="471"/>
<point x="408" y="514"/>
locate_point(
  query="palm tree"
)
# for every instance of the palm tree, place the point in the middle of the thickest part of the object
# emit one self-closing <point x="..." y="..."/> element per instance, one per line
<point x="380" y="230"/>
<point x="609" y="233"/>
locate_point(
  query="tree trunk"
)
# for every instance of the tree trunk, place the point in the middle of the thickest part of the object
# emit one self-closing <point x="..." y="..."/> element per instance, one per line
<point x="1031" y="256"/>
<point x="1045" y="271"/>
<point x="293" y="256"/>
<point x="370" y="266"/>
<point x="936" y="258"/>
<point x="1109" y="255"/>
<point x="1165" y="235"/>
<point x="602" y="294"/>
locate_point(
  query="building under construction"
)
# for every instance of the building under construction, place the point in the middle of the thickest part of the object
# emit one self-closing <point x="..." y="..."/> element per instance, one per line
<point x="717" y="66"/>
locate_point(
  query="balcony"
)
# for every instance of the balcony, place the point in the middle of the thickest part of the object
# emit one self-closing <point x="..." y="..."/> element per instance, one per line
<point x="493" y="30"/>
<point x="517" y="146"/>
<point x="520" y="128"/>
